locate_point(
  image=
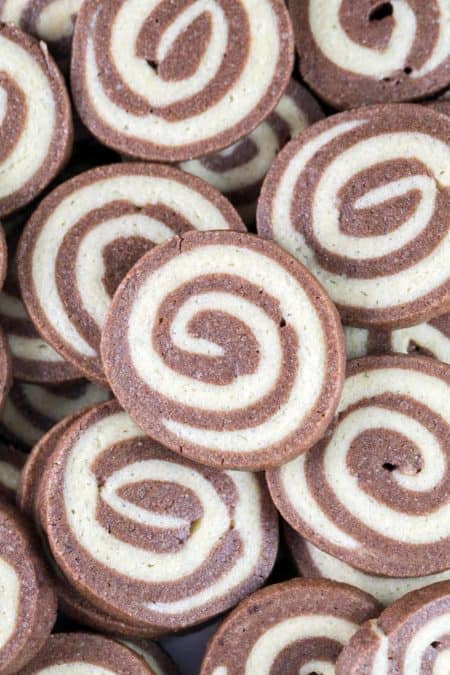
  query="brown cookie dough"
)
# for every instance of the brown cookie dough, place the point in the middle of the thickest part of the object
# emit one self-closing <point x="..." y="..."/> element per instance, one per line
<point x="226" y="350"/>
<point x="411" y="637"/>
<point x="375" y="492"/>
<point x="299" y="626"/>
<point x="11" y="463"/>
<point x="154" y="656"/>
<point x="36" y="120"/>
<point x="5" y="370"/>
<point x="363" y="200"/>
<point x="85" y="236"/>
<point x="148" y="536"/>
<point x="357" y="52"/>
<point x="27" y="598"/>
<point x="184" y="79"/>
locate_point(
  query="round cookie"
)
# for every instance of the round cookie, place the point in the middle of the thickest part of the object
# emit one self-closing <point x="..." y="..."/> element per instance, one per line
<point x="34" y="113"/>
<point x="85" y="236"/>
<point x="183" y="80"/>
<point x="362" y="199"/>
<point x="357" y="52"/>
<point x="32" y="409"/>
<point x="11" y="463"/>
<point x="86" y="654"/>
<point x="429" y="339"/>
<point x="27" y="598"/>
<point x="291" y="628"/>
<point x="239" y="170"/>
<point x="225" y="349"/>
<point x="411" y="637"/>
<point x="176" y="543"/>
<point x="313" y="563"/>
<point x="375" y="492"/>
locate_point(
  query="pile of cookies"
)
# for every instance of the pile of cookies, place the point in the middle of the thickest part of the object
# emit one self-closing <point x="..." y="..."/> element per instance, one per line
<point x="225" y="335"/>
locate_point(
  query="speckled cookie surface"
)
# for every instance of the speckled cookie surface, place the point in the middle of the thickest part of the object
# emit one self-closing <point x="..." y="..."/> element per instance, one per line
<point x="87" y="234"/>
<point x="375" y="491"/>
<point x="148" y="536"/>
<point x="357" y="52"/>
<point x="35" y="115"/>
<point x="411" y="637"/>
<point x="295" y="627"/>
<point x="225" y="349"/>
<point x="11" y="463"/>
<point x="167" y="81"/>
<point x="27" y="599"/>
<point x="362" y="199"/>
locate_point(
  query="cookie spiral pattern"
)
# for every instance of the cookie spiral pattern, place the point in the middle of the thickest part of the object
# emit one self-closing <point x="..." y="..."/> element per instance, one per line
<point x="27" y="599"/>
<point x="239" y="170"/>
<point x="312" y="563"/>
<point x="362" y="199"/>
<point x="411" y="637"/>
<point x="11" y="463"/>
<point x="85" y="236"/>
<point x="184" y="79"/>
<point x="176" y="543"/>
<point x="295" y="627"/>
<point x="353" y="53"/>
<point x="225" y="349"/>
<point x="34" y="113"/>
<point x="375" y="492"/>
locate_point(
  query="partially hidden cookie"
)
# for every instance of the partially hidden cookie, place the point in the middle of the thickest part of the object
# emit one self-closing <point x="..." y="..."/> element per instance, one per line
<point x="299" y="626"/>
<point x="5" y="370"/>
<point x="36" y="120"/>
<point x="84" y="237"/>
<point x="363" y="200"/>
<point x="87" y="654"/>
<point x="357" y="52"/>
<point x="441" y="104"/>
<point x="239" y="170"/>
<point x="154" y="656"/>
<point x="429" y="339"/>
<point x="148" y="536"/>
<point x="312" y="563"/>
<point x="3" y="257"/>
<point x="225" y="349"/>
<point x="11" y="463"/>
<point x="27" y="598"/>
<point x="375" y="492"/>
<point x="32" y="409"/>
<point x="411" y="637"/>
<point x="184" y="79"/>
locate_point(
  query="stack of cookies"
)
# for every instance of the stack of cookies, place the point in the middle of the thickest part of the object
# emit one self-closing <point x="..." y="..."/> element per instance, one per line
<point x="225" y="337"/>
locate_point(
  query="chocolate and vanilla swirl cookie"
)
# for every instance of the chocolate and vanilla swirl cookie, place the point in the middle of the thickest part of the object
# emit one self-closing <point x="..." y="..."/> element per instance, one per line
<point x="363" y="200"/>
<point x="27" y="598"/>
<point x="226" y="350"/>
<point x="30" y="410"/>
<point x="169" y="81"/>
<point x="85" y="236"/>
<point x="239" y="170"/>
<point x="429" y="339"/>
<point x="11" y="463"/>
<point x="411" y="637"/>
<point x="35" y="119"/>
<point x="147" y="536"/>
<point x="295" y="628"/>
<point x="313" y="563"/>
<point x="355" y="52"/>
<point x="375" y="492"/>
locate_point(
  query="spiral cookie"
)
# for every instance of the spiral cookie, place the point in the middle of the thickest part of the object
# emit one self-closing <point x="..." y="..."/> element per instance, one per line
<point x="87" y="233"/>
<point x="87" y="654"/>
<point x="362" y="199"/>
<point x="31" y="409"/>
<point x="11" y="463"/>
<point x="429" y="339"/>
<point x="238" y="171"/>
<point x="375" y="492"/>
<point x="244" y="365"/>
<point x="355" y="52"/>
<point x="295" y="627"/>
<point x="313" y="563"/>
<point x="411" y="637"/>
<point x="27" y="599"/>
<point x="34" y="113"/>
<point x="184" y="79"/>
